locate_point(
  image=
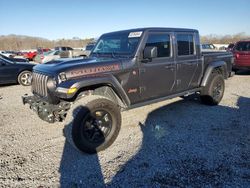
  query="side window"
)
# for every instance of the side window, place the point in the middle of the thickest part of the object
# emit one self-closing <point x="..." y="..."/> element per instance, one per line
<point x="162" y="42"/>
<point x="185" y="43"/>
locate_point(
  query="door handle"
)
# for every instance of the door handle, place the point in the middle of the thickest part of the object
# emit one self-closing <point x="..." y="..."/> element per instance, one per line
<point x="169" y="67"/>
<point x="190" y="63"/>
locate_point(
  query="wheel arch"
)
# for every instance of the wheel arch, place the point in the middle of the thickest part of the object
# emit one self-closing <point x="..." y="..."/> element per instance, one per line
<point x="218" y="66"/>
<point x="108" y="87"/>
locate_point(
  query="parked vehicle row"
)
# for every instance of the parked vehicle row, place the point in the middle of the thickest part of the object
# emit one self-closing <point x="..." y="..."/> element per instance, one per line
<point x="9" y="53"/>
<point x="39" y="55"/>
<point x="16" y="69"/>
<point x="47" y="56"/>
<point x="62" y="52"/>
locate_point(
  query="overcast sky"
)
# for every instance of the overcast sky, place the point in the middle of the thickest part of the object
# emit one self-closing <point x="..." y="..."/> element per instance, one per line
<point x="54" y="19"/>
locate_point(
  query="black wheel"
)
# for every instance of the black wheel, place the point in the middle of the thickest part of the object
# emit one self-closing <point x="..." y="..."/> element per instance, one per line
<point x="24" y="78"/>
<point x="96" y="125"/>
<point x="235" y="70"/>
<point x="214" y="91"/>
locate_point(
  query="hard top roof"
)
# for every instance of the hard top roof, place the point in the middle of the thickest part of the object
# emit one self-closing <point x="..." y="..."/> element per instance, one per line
<point x="155" y="29"/>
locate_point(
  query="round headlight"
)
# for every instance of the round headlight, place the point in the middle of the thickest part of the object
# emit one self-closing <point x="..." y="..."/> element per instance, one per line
<point x="51" y="84"/>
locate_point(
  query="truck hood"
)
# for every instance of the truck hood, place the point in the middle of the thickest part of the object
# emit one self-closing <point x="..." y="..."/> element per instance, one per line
<point x="79" y="67"/>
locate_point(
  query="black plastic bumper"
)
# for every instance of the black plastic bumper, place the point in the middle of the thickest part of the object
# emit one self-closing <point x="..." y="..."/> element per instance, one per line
<point x="47" y="111"/>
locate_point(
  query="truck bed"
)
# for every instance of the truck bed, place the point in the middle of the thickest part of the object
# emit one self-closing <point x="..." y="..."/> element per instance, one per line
<point x="212" y="56"/>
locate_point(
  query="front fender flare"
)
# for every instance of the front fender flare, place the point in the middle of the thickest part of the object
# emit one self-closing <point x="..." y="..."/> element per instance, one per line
<point x="109" y="80"/>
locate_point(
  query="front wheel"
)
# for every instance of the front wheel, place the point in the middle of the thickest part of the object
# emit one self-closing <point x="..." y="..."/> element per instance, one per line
<point x="214" y="91"/>
<point x="24" y="78"/>
<point x="96" y="125"/>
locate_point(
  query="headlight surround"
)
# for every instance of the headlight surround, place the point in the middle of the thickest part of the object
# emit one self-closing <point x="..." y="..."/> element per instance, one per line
<point x="62" y="77"/>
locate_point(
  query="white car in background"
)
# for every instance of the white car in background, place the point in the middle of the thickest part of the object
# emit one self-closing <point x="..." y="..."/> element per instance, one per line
<point x="47" y="56"/>
<point x="208" y="47"/>
<point x="8" y="53"/>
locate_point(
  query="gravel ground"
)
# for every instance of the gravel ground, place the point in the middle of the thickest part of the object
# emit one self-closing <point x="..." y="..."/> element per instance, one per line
<point x="175" y="143"/>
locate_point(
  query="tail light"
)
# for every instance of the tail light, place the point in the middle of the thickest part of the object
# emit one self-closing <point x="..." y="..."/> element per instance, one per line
<point x="237" y="56"/>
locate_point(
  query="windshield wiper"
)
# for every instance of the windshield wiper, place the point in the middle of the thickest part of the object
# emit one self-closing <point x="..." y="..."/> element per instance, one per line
<point x="96" y="53"/>
<point x="113" y="54"/>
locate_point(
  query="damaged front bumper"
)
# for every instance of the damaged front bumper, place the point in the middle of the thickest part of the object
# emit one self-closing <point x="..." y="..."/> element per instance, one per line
<point x="47" y="111"/>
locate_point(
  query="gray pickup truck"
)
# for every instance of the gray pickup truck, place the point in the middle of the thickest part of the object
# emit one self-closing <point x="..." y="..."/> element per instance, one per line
<point x="126" y="69"/>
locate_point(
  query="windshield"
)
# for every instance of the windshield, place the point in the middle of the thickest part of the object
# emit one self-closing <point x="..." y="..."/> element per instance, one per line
<point x="120" y="43"/>
<point x="6" y="58"/>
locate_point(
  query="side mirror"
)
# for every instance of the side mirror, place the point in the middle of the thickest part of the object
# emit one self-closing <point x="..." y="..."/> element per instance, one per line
<point x="150" y="52"/>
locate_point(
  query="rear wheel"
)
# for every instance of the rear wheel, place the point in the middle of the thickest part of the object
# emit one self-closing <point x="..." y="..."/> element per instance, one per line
<point x="96" y="124"/>
<point x="235" y="70"/>
<point x="213" y="92"/>
<point x="24" y="78"/>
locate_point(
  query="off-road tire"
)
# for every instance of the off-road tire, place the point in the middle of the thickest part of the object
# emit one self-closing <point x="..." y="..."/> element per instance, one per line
<point x="81" y="112"/>
<point x="24" y="78"/>
<point x="235" y="70"/>
<point x="213" y="92"/>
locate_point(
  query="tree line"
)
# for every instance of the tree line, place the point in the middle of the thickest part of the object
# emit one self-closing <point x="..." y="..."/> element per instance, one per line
<point x="224" y="39"/>
<point x="17" y="42"/>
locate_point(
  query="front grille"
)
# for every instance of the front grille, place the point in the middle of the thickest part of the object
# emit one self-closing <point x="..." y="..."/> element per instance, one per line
<point x="39" y="84"/>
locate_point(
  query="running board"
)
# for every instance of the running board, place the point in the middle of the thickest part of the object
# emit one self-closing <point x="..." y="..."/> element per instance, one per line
<point x="185" y="93"/>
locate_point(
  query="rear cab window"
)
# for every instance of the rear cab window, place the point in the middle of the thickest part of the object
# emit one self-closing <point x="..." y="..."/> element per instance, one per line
<point x="185" y="45"/>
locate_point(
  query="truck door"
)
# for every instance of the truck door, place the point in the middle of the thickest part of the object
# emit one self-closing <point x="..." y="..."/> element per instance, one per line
<point x="157" y="74"/>
<point x="188" y="65"/>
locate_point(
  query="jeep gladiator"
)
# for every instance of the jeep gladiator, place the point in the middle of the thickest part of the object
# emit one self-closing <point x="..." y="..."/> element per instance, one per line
<point x="126" y="69"/>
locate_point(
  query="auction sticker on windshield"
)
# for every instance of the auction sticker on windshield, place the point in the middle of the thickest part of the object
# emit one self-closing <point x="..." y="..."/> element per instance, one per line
<point x="135" y="34"/>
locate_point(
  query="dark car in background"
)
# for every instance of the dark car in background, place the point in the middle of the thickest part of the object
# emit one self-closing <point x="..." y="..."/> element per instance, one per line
<point x="13" y="72"/>
<point x="241" y="53"/>
<point x="230" y="47"/>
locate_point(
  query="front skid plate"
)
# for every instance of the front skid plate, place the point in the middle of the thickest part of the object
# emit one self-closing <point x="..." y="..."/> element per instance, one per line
<point x="46" y="111"/>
